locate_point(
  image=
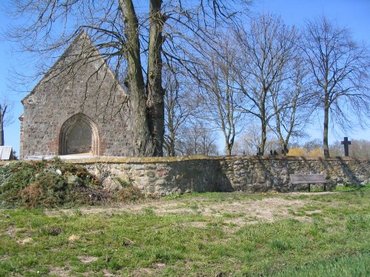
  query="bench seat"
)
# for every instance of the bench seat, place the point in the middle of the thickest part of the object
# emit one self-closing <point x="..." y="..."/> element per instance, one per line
<point x="296" y="179"/>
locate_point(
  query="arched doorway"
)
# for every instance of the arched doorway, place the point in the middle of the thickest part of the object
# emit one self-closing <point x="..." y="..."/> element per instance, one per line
<point x="78" y="135"/>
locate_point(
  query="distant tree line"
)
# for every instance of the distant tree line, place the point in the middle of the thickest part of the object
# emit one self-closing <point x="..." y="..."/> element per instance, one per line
<point x="262" y="83"/>
<point x="359" y="149"/>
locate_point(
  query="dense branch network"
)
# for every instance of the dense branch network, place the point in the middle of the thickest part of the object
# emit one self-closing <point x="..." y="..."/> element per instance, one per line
<point x="191" y="65"/>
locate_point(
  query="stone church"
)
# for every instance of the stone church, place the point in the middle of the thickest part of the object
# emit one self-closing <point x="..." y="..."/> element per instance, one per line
<point x="78" y="107"/>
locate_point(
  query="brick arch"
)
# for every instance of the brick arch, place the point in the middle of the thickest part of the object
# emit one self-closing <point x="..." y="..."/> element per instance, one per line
<point x="79" y="134"/>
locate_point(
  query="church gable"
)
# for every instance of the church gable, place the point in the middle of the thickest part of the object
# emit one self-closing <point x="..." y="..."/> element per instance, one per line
<point x="80" y="88"/>
<point x="79" y="59"/>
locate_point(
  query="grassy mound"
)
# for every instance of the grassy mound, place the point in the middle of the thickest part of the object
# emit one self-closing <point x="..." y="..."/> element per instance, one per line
<point x="51" y="184"/>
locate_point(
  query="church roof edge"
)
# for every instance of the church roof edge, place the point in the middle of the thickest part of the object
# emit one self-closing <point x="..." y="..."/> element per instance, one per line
<point x="81" y="35"/>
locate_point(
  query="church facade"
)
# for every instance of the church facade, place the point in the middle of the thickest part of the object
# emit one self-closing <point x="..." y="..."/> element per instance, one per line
<point x="78" y="107"/>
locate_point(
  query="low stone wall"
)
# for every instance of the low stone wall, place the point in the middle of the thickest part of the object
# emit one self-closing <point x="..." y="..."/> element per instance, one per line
<point x="164" y="176"/>
<point x="272" y="174"/>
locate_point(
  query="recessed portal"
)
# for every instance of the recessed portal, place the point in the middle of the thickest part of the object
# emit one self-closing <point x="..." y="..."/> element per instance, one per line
<point x="78" y="135"/>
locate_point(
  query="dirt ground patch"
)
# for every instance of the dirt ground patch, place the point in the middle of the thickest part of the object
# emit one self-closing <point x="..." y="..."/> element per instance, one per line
<point x="60" y="272"/>
<point x="232" y="210"/>
<point x="87" y="259"/>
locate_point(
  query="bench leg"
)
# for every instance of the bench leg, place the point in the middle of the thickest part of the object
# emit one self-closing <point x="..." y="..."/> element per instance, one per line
<point x="309" y="187"/>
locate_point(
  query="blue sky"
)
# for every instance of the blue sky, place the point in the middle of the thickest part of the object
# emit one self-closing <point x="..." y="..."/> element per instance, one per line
<point x="353" y="14"/>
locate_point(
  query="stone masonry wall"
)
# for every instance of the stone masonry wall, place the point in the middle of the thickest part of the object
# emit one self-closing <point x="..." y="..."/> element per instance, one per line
<point x="164" y="176"/>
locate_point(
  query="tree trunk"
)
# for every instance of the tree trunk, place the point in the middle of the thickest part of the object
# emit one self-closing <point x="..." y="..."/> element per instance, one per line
<point x="263" y="123"/>
<point x="326" y="127"/>
<point x="142" y="140"/>
<point x="2" y="113"/>
<point x="282" y="142"/>
<point x="155" y="102"/>
<point x="263" y="137"/>
<point x="229" y="148"/>
<point x="171" y="139"/>
<point x="171" y="147"/>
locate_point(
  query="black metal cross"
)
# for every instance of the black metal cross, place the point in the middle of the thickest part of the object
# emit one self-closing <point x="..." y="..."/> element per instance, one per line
<point x="345" y="143"/>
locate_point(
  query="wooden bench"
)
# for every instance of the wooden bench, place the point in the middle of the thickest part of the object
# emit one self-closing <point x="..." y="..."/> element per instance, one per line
<point x="297" y="179"/>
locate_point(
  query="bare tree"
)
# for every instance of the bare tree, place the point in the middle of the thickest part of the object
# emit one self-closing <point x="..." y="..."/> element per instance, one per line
<point x="131" y="35"/>
<point x="6" y="106"/>
<point x="291" y="103"/>
<point x="265" y="48"/>
<point x="219" y="91"/>
<point x="340" y="74"/>
<point x="180" y="104"/>
<point x="197" y="139"/>
<point x="3" y="110"/>
<point x="249" y="141"/>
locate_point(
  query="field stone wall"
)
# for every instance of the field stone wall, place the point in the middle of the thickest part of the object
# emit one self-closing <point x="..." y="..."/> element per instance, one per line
<point x="163" y="176"/>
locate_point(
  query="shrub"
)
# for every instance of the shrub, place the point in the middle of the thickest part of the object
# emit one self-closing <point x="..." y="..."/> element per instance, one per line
<point x="56" y="183"/>
<point x="297" y="152"/>
<point x="15" y="177"/>
<point x="30" y="195"/>
<point x="130" y="193"/>
<point x="316" y="153"/>
<point x="49" y="184"/>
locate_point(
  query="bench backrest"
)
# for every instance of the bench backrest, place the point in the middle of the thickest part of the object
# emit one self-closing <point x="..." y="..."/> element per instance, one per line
<point x="307" y="179"/>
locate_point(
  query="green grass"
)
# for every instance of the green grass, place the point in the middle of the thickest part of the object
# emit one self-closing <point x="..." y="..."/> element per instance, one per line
<point x="345" y="266"/>
<point x="327" y="236"/>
